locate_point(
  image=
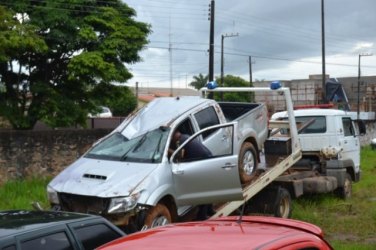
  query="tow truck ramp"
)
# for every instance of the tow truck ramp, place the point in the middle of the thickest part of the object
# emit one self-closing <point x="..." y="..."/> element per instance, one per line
<point x="260" y="183"/>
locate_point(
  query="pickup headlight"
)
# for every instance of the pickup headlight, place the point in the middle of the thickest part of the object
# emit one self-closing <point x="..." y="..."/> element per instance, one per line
<point x="52" y="195"/>
<point x="122" y="204"/>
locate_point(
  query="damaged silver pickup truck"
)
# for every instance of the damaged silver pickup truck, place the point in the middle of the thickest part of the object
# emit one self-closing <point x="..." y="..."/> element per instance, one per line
<point x="130" y="178"/>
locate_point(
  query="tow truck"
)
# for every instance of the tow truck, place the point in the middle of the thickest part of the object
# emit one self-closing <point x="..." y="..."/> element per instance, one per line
<point x="308" y="152"/>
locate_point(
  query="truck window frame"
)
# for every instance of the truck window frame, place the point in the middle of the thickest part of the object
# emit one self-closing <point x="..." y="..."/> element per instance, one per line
<point x="319" y="125"/>
<point x="186" y="127"/>
<point x="348" y="126"/>
<point x="205" y="118"/>
<point x="178" y="157"/>
<point x="312" y="128"/>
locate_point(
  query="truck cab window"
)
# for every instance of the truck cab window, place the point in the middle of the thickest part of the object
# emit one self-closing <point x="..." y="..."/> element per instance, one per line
<point x="195" y="150"/>
<point x="348" y="128"/>
<point x="186" y="127"/>
<point x="316" y="127"/>
<point x="316" y="124"/>
<point x="206" y="118"/>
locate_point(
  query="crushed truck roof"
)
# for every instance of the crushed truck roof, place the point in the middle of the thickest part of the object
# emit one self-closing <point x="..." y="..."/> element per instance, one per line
<point x="160" y="112"/>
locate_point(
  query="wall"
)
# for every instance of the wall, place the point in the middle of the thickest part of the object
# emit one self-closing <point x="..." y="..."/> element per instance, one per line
<point x="371" y="133"/>
<point x="309" y="91"/>
<point x="42" y="153"/>
<point x="367" y="92"/>
<point x="303" y="92"/>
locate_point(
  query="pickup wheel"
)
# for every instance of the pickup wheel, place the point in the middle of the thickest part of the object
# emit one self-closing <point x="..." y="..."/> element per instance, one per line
<point x="247" y="162"/>
<point x="283" y="207"/>
<point x="345" y="192"/>
<point x="157" y="216"/>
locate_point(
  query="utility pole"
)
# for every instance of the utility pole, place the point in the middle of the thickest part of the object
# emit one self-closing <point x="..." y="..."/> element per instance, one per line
<point x="250" y="71"/>
<point x="222" y="55"/>
<point x="211" y="44"/>
<point x="323" y="52"/>
<point x="252" y="94"/>
<point x="170" y="53"/>
<point x="137" y="93"/>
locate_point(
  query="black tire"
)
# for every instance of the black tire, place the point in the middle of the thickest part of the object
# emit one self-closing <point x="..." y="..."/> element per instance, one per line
<point x="156" y="216"/>
<point x="345" y="192"/>
<point x="247" y="162"/>
<point x="282" y="206"/>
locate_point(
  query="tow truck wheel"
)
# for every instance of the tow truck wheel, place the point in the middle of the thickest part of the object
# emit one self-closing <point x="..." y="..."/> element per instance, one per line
<point x="283" y="207"/>
<point x="247" y="162"/>
<point x="158" y="215"/>
<point x="345" y="192"/>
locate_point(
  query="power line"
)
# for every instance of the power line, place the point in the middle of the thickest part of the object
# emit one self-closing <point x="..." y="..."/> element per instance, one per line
<point x="301" y="33"/>
<point x="174" y="2"/>
<point x="289" y="34"/>
<point x="272" y="24"/>
<point x="94" y="9"/>
<point x="261" y="57"/>
<point x="189" y="43"/>
<point x="280" y="29"/>
<point x="172" y="7"/>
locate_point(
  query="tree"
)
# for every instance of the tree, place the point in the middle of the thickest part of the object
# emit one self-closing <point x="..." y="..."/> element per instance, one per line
<point x="119" y="99"/>
<point x="234" y="81"/>
<point x="123" y="105"/>
<point x="199" y="81"/>
<point x="54" y="55"/>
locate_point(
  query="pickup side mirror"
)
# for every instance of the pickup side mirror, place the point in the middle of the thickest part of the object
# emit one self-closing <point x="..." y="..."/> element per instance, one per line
<point x="362" y="127"/>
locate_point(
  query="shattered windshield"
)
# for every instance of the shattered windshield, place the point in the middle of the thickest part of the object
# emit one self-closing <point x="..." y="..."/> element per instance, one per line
<point x="148" y="147"/>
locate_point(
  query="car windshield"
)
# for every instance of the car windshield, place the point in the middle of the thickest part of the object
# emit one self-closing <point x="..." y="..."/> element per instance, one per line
<point x="148" y="147"/>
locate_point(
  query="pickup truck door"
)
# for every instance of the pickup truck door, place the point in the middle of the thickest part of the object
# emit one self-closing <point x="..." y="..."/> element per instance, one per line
<point x="213" y="179"/>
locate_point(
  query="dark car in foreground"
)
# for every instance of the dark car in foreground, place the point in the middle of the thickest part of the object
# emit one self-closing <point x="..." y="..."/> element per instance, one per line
<point x="47" y="230"/>
<point x="248" y="232"/>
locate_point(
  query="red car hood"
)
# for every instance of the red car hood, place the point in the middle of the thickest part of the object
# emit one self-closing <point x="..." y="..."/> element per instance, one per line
<point x="252" y="232"/>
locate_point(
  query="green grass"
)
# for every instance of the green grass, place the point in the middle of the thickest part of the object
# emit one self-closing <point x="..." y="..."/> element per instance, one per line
<point x="20" y="194"/>
<point x="348" y="225"/>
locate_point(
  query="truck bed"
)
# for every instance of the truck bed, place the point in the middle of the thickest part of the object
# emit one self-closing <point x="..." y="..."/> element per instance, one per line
<point x="251" y="118"/>
<point x="235" y="110"/>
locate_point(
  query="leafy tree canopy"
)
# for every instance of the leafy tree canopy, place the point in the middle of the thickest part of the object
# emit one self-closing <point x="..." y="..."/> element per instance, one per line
<point x="199" y="81"/>
<point x="119" y="99"/>
<point x="57" y="55"/>
<point x="234" y="81"/>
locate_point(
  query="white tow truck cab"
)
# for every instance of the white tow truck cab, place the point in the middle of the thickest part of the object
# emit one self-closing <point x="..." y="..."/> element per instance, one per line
<point x="327" y="160"/>
<point x="330" y="152"/>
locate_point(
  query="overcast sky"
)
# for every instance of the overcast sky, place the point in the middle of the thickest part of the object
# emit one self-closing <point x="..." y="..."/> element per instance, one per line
<point x="282" y="37"/>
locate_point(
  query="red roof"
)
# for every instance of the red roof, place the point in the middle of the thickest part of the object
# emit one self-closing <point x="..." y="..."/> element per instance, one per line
<point x="150" y="97"/>
<point x="146" y="98"/>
